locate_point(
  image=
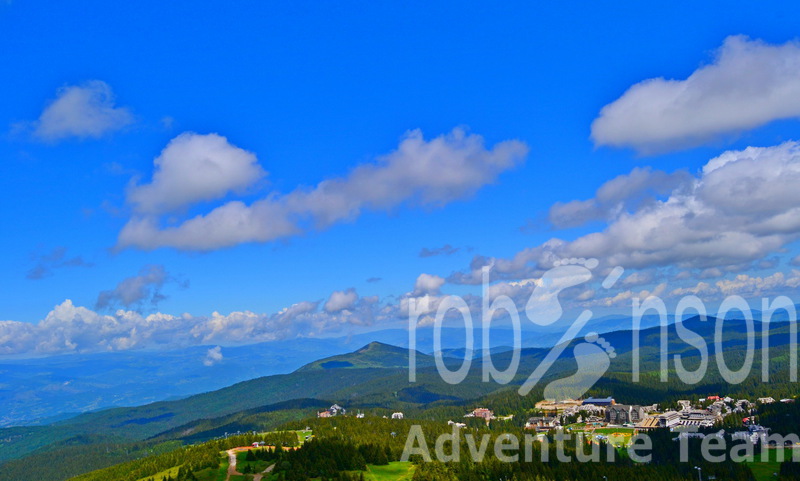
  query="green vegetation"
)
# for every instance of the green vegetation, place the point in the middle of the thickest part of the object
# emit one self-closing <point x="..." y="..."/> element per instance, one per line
<point x="394" y="471"/>
<point x="171" y="472"/>
<point x="766" y="469"/>
<point x="151" y="439"/>
<point x="373" y="355"/>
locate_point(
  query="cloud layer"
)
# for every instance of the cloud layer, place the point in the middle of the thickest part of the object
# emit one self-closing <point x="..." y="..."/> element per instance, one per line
<point x="625" y="192"/>
<point x="419" y="172"/>
<point x="742" y="207"/>
<point x="81" y="111"/>
<point x="69" y="328"/>
<point x="748" y="84"/>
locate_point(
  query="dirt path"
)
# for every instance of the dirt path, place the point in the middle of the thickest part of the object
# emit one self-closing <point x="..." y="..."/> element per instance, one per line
<point x="231" y="464"/>
<point x="260" y="475"/>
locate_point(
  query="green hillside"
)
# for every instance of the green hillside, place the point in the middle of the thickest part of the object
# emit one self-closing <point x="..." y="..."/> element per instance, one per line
<point x="375" y="378"/>
<point x="373" y="355"/>
<point x="373" y="361"/>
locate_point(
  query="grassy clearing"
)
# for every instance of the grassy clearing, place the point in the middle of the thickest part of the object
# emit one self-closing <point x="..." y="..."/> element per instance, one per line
<point x="255" y="466"/>
<point x="607" y="431"/>
<point x="763" y="470"/>
<point x="618" y="437"/>
<point x="394" y="471"/>
<point x="301" y="435"/>
<point x="211" y="474"/>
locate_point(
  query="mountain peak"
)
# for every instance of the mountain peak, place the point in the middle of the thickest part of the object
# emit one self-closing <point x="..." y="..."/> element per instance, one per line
<point x="373" y="355"/>
<point x="379" y="346"/>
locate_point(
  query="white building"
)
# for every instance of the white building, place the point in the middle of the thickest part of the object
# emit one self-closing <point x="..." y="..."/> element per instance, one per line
<point x="669" y="419"/>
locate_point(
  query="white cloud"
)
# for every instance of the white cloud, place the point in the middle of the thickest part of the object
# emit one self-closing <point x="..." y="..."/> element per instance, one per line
<point x="194" y="168"/>
<point x="743" y="206"/>
<point x="748" y="84"/>
<point x="743" y="285"/>
<point x="213" y="356"/>
<point x="81" y="111"/>
<point x="427" y="305"/>
<point x="428" y="284"/>
<point x="700" y="289"/>
<point x="710" y="273"/>
<point x="341" y="300"/>
<point x="418" y="173"/>
<point x="639" y="278"/>
<point x="625" y="192"/>
<point x="69" y="328"/>
<point x="624" y="298"/>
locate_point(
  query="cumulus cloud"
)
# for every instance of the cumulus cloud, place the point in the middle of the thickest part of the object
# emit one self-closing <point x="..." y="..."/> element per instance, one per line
<point x="710" y="273"/>
<point x="445" y="250"/>
<point x="427" y="305"/>
<point x="742" y="285"/>
<point x="81" y="111"/>
<point x="69" y="328"/>
<point x="743" y="206"/>
<point x="748" y="84"/>
<point x="625" y="192"/>
<point x="136" y="290"/>
<point x="194" y="168"/>
<point x="428" y="284"/>
<point x="427" y="173"/>
<point x="55" y="259"/>
<point x="639" y="278"/>
<point x="341" y="300"/>
<point x="699" y="289"/>
<point x="624" y="298"/>
<point x="213" y="356"/>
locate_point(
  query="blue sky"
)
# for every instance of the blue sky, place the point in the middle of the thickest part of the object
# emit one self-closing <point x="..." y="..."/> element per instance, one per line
<point x="313" y="90"/>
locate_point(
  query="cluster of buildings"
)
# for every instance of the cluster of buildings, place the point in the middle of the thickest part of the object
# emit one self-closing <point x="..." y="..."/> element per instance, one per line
<point x="599" y="412"/>
<point x="769" y="400"/>
<point x="332" y="411"/>
<point x="337" y="410"/>
<point x="482" y="413"/>
<point x="602" y="412"/>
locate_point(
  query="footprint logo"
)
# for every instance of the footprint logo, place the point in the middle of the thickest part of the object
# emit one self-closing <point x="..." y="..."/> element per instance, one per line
<point x="543" y="307"/>
<point x="594" y="354"/>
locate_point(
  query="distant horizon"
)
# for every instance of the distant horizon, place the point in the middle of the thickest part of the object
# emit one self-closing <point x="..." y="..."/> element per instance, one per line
<point x="321" y="185"/>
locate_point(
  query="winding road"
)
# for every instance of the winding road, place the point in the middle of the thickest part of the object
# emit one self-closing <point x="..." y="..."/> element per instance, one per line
<point x="232" y="466"/>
